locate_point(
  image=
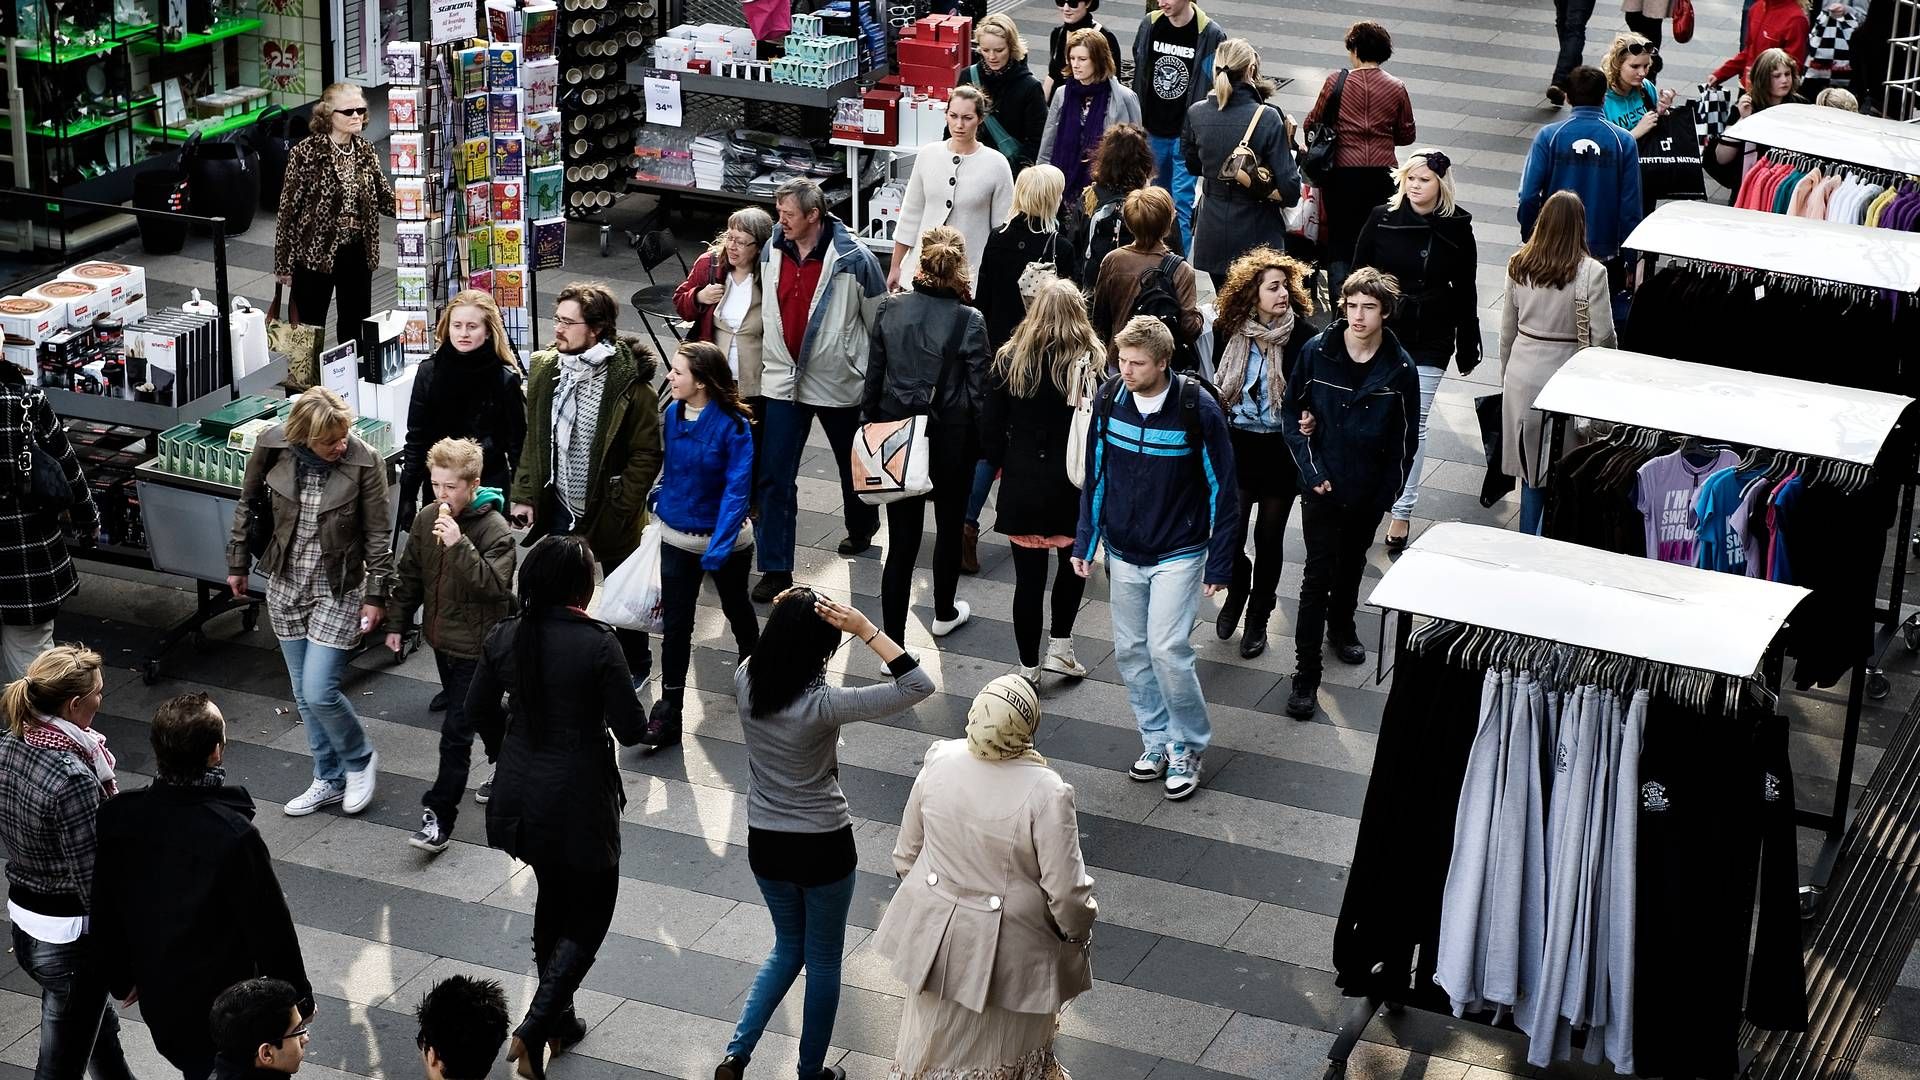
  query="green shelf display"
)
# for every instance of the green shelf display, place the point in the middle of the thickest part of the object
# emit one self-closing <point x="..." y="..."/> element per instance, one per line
<point x="213" y="130"/>
<point x="46" y="55"/>
<point x="220" y="32"/>
<point x="71" y="131"/>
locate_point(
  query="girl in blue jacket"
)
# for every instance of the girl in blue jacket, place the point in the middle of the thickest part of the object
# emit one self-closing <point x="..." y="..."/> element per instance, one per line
<point x="706" y="483"/>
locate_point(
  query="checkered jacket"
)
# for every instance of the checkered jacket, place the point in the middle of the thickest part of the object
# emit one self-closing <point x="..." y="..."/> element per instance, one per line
<point x="36" y="574"/>
<point x="49" y="801"/>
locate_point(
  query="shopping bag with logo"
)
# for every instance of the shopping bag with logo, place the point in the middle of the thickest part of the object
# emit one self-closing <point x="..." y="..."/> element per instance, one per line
<point x="1670" y="165"/>
<point x="298" y="345"/>
<point x="889" y="460"/>
<point x="1712" y="111"/>
<point x="630" y="596"/>
<point x="1306" y="219"/>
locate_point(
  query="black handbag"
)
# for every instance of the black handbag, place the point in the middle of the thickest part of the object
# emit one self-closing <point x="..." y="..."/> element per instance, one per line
<point x="39" y="482"/>
<point x="1670" y="165"/>
<point x="1316" y="161"/>
<point x="260" y="512"/>
<point x="1495" y="484"/>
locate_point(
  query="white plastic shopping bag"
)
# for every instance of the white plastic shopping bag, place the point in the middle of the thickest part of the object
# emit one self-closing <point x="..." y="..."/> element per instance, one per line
<point x="630" y="596"/>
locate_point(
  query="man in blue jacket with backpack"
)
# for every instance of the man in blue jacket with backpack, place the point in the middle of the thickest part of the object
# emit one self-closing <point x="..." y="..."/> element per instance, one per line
<point x="1160" y="494"/>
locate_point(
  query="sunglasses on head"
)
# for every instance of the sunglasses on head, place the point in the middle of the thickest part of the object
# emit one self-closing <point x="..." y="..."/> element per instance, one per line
<point x="361" y="111"/>
<point x="1635" y="48"/>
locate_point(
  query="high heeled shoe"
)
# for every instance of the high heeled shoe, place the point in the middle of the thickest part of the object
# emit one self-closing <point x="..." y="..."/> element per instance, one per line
<point x="530" y="1061"/>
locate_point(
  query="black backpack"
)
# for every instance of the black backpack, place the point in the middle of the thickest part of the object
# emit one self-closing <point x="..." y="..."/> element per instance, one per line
<point x="1157" y="298"/>
<point x="1105" y="232"/>
<point x="1191" y="387"/>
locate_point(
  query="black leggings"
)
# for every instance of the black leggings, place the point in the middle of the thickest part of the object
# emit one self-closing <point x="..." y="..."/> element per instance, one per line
<point x="572" y="909"/>
<point x="1647" y="27"/>
<point x="313" y="290"/>
<point x="680" y="576"/>
<point x="950" y="467"/>
<point x="1029" y="584"/>
<point x="1269" y="547"/>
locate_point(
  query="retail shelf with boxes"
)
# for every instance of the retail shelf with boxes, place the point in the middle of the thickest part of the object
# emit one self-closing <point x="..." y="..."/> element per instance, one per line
<point x="894" y="117"/>
<point x="750" y="119"/>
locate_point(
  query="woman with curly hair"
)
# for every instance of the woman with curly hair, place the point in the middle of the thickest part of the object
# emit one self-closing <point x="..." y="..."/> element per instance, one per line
<point x="1122" y="165"/>
<point x="1263" y="322"/>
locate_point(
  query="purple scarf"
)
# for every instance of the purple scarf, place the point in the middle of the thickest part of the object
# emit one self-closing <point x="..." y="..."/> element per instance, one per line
<point x="1074" y="140"/>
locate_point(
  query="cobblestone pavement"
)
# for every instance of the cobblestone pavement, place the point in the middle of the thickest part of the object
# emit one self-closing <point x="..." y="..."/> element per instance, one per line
<point x="1212" y="954"/>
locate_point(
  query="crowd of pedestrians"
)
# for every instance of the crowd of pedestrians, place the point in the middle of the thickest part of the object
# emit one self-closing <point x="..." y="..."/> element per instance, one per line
<point x="1039" y="328"/>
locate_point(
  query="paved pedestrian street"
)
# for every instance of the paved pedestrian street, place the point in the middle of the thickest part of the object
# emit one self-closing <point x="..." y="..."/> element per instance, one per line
<point x="1212" y="953"/>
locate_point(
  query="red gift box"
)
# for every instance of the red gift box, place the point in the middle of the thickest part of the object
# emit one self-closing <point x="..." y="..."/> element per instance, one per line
<point x="956" y="28"/>
<point x="919" y="52"/>
<point x="887" y="103"/>
<point x="928" y="78"/>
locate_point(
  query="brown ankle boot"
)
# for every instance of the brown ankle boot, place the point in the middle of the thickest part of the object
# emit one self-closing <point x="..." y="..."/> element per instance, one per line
<point x="970" y="550"/>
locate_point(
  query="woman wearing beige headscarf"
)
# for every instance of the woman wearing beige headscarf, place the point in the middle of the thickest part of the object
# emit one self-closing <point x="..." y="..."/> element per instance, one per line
<point x="991" y="926"/>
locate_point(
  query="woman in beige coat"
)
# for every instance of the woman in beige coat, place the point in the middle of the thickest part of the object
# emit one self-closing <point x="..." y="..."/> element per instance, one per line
<point x="1557" y="303"/>
<point x="990" y="928"/>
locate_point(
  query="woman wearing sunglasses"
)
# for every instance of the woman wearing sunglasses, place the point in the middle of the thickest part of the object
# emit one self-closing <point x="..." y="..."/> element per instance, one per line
<point x="327" y="237"/>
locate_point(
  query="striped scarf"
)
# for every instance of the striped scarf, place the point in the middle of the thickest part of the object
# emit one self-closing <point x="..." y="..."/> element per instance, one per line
<point x="576" y="416"/>
<point x="53" y="733"/>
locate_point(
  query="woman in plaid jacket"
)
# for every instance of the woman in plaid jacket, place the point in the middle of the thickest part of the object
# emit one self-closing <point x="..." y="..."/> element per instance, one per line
<point x="36" y="574"/>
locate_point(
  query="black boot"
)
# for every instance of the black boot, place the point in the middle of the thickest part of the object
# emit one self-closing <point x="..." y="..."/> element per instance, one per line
<point x="1305" y="695"/>
<point x="567" y="1032"/>
<point x="772" y="584"/>
<point x="731" y="1067"/>
<point x="1223" y="626"/>
<point x="560" y="976"/>
<point x="1254" y="641"/>
<point x="663" y="726"/>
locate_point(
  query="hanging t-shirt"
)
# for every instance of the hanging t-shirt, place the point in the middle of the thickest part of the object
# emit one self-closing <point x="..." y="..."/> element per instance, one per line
<point x="1749" y="519"/>
<point x="1780" y="519"/>
<point x="1720" y="546"/>
<point x="1664" y="496"/>
<point x="1175" y="56"/>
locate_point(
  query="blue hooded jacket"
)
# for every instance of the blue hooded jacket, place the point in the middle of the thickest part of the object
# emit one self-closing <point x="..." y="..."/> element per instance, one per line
<point x="1150" y="495"/>
<point x="706" y="482"/>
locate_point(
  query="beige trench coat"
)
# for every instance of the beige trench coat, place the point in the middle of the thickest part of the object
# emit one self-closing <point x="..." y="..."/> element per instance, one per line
<point x="995" y="905"/>
<point x="1541" y="329"/>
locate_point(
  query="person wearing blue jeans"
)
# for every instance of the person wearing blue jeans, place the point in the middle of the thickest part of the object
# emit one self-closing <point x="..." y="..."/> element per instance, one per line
<point x="1161" y="494"/>
<point x="799" y="830"/>
<point x="1533" y="509"/>
<point x="79" y="1030"/>
<point x="334" y="735"/>
<point x="1173" y="68"/>
<point x="783" y="442"/>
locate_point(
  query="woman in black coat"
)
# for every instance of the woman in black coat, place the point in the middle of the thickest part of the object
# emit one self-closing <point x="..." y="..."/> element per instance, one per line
<point x="1019" y="102"/>
<point x="1031" y="235"/>
<point x="470" y="388"/>
<point x="1230" y="220"/>
<point x="1025" y="423"/>
<point x="556" y="797"/>
<point x="1426" y="243"/>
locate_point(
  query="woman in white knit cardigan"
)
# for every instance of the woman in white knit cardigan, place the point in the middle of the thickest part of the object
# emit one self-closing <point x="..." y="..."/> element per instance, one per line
<point x="958" y="182"/>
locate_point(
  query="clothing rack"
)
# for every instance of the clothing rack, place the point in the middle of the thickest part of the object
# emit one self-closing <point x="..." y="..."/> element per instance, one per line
<point x="1835" y="135"/>
<point x="1793" y="248"/>
<point x="1821" y="421"/>
<point x="1625" y="608"/>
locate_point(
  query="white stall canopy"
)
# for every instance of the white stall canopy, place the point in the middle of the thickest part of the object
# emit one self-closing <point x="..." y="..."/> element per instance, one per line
<point x="1556" y="591"/>
<point x="1835" y="135"/>
<point x="1820" y="419"/>
<point x="1796" y="247"/>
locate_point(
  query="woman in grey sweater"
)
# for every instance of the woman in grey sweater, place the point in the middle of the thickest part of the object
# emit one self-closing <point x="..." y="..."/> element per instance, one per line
<point x="799" y="833"/>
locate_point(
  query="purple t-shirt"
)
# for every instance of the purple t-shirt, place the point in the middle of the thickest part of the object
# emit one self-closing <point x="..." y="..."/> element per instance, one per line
<point x="1665" y="494"/>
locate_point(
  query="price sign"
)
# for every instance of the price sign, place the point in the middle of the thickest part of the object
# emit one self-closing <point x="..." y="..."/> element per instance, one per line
<point x="663" y="96"/>
<point x="454" y="20"/>
<point x="340" y="372"/>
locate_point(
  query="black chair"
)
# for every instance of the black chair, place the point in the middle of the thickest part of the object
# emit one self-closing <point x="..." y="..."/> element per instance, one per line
<point x="655" y="301"/>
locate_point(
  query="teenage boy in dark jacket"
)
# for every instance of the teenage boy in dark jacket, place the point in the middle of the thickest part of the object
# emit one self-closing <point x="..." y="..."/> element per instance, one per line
<point x="185" y="903"/>
<point x="1160" y="493"/>
<point x="1358" y="399"/>
<point x="459" y="563"/>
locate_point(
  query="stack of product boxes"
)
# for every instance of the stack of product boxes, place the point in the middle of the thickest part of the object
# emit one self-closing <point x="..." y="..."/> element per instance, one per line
<point x="56" y="321"/>
<point x="910" y="108"/>
<point x="216" y="447"/>
<point x="711" y="49"/>
<point x="812" y="58"/>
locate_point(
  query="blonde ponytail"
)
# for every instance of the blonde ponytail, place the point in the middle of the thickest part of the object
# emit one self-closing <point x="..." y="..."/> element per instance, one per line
<point x="1234" y="57"/>
<point x="55" y="677"/>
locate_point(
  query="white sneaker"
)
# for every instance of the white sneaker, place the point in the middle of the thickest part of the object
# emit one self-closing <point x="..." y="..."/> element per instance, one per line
<point x="943" y="627"/>
<point x="320" y="793"/>
<point x="1060" y="659"/>
<point x="1183" y="772"/>
<point x="359" y="791"/>
<point x="1151" y="766"/>
<point x="1031" y="674"/>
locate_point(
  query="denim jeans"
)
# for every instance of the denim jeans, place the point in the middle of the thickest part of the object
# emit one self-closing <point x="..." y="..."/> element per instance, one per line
<point x="1337" y="541"/>
<point x="79" y="1031"/>
<point x="1533" y="508"/>
<point x="334" y="734"/>
<point x="1153" y="609"/>
<point x="809" y="930"/>
<point x="1429" y="384"/>
<point x="456" y="741"/>
<point x="983" y="474"/>
<point x="775" y="490"/>
<point x="1570" y="23"/>
<point x="1170" y="172"/>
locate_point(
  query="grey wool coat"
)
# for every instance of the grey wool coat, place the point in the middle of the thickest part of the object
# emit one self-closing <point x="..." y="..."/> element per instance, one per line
<point x="1228" y="221"/>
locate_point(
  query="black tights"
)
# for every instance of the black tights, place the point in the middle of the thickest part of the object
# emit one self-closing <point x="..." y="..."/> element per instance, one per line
<point x="1647" y="27"/>
<point x="950" y="466"/>
<point x="1029" y="585"/>
<point x="1269" y="547"/>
